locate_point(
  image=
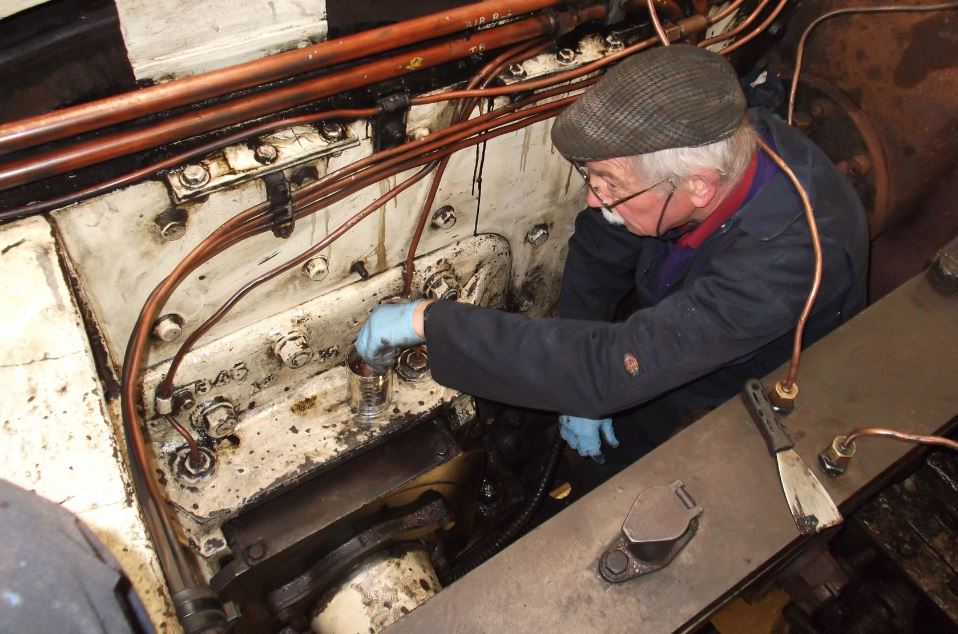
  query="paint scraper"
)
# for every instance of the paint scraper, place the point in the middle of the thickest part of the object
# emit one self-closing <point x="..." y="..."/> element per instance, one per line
<point x="811" y="506"/>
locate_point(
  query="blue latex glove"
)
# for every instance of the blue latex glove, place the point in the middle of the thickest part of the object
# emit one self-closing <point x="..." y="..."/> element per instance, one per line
<point x="582" y="434"/>
<point x="388" y="330"/>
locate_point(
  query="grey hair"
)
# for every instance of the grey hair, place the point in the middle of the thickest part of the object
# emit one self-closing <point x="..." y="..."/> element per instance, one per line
<point x="728" y="157"/>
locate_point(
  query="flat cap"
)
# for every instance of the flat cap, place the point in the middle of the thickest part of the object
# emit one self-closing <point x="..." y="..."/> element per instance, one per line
<point x="668" y="97"/>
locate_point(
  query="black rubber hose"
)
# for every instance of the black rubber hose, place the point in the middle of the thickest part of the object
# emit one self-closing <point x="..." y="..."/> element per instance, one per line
<point x="512" y="530"/>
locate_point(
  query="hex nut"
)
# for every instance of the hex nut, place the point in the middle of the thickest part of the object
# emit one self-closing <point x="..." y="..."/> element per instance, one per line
<point x="614" y="41"/>
<point x="538" y="235"/>
<point x="194" y="176"/>
<point x="183" y="400"/>
<point x="442" y="285"/>
<point x="835" y="458"/>
<point x="444" y="217"/>
<point x="316" y="268"/>
<point x="413" y="364"/>
<point x="265" y="153"/>
<point x="516" y="71"/>
<point x="168" y="327"/>
<point x="217" y="418"/>
<point x="293" y="349"/>
<point x="185" y="470"/>
<point x="332" y="131"/>
<point x="171" y="224"/>
<point x="565" y="56"/>
<point x="418" y="134"/>
<point x="782" y="399"/>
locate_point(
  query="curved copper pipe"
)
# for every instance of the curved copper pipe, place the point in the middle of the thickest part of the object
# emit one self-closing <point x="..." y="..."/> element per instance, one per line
<point x="846" y="445"/>
<point x="659" y="31"/>
<point x="744" y="24"/>
<point x="888" y="8"/>
<point x="816" y="275"/>
<point x="125" y="107"/>
<point x="105" y="148"/>
<point x="758" y="30"/>
<point x="724" y="13"/>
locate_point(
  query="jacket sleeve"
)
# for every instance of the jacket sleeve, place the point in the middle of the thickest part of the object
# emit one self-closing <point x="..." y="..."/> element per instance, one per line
<point x="577" y="366"/>
<point x="600" y="268"/>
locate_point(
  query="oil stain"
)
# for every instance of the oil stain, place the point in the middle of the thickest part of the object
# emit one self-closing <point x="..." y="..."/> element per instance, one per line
<point x="303" y="406"/>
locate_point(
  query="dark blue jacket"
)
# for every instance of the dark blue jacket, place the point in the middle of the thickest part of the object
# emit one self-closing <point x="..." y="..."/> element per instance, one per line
<point x="730" y="315"/>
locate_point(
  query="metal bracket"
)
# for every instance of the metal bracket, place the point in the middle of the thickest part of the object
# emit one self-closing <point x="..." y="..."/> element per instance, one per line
<point x="662" y="521"/>
<point x="389" y="128"/>
<point x="280" y="204"/>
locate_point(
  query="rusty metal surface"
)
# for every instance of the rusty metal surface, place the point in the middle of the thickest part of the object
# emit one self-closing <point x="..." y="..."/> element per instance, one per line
<point x="887" y="366"/>
<point x="899" y="68"/>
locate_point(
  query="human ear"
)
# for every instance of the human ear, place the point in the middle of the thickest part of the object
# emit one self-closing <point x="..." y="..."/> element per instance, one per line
<point x="702" y="188"/>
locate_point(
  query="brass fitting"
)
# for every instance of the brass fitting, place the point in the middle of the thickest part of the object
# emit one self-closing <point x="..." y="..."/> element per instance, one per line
<point x="834" y="459"/>
<point x="783" y="398"/>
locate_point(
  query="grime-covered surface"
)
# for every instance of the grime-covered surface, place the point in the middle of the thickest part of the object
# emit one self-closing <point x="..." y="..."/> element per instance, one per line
<point x="57" y="435"/>
<point x="293" y="422"/>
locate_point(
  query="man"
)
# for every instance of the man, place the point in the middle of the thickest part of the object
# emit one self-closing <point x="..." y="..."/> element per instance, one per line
<point x="705" y="229"/>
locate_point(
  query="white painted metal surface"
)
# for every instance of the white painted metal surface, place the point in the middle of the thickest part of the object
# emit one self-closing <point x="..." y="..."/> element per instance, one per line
<point x="182" y="37"/>
<point x="293" y="421"/>
<point x="58" y="438"/>
<point x="9" y="7"/>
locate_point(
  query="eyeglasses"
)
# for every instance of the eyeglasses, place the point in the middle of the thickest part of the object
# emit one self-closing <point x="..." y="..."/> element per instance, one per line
<point x="609" y="206"/>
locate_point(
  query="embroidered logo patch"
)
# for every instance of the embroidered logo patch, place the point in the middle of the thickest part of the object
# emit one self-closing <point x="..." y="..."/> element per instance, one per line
<point x="631" y="363"/>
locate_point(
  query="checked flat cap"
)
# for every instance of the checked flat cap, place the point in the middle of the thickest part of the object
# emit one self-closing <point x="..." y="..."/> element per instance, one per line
<point x="675" y="96"/>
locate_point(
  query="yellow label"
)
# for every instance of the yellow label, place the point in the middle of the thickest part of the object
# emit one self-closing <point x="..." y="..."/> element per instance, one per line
<point x="414" y="63"/>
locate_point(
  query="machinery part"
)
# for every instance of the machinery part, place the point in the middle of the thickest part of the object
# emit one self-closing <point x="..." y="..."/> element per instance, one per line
<point x="565" y="55"/>
<point x="332" y="131"/>
<point x="190" y="471"/>
<point x="382" y="589"/>
<point x="304" y="175"/>
<point x="171" y="224"/>
<point x="367" y="392"/>
<point x="316" y="268"/>
<point x="538" y="235"/>
<point x="215" y="418"/>
<point x="266" y="153"/>
<point x="444" y="217"/>
<point x="835" y="458"/>
<point x="422" y="518"/>
<point x="943" y="273"/>
<point x="442" y="285"/>
<point x="183" y="399"/>
<point x="168" y="327"/>
<point x="359" y="268"/>
<point x="194" y="176"/>
<point x="293" y="349"/>
<point x="662" y="521"/>
<point x="280" y="199"/>
<point x="413" y="364"/>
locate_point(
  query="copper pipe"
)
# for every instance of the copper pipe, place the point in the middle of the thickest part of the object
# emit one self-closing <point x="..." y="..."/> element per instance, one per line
<point x="731" y="8"/>
<point x="816" y="276"/>
<point x="542" y="112"/>
<point x="178" y="159"/>
<point x="758" y="30"/>
<point x="848" y="443"/>
<point x="112" y="110"/>
<point x="187" y="436"/>
<point x="738" y="27"/>
<point x="659" y="31"/>
<point x="887" y="8"/>
<point x="102" y="149"/>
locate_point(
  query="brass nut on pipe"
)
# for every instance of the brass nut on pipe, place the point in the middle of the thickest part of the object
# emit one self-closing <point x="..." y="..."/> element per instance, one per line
<point x="835" y="458"/>
<point x="783" y="398"/>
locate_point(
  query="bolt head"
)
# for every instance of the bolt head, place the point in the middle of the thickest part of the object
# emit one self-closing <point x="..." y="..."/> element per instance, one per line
<point x="516" y="71"/>
<point x="171" y="224"/>
<point x="293" y="350"/>
<point x="565" y="56"/>
<point x="332" y="131"/>
<point x="538" y="235"/>
<point x="188" y="471"/>
<point x="417" y="134"/>
<point x="444" y="217"/>
<point x="183" y="400"/>
<point x="221" y="421"/>
<point x="194" y="176"/>
<point x="616" y="562"/>
<point x="614" y="42"/>
<point x="316" y="268"/>
<point x="266" y="153"/>
<point x="304" y="175"/>
<point x="168" y="328"/>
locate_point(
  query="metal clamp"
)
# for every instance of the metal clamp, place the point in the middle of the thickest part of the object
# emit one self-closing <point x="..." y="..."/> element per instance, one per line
<point x="280" y="204"/>
<point x="662" y="521"/>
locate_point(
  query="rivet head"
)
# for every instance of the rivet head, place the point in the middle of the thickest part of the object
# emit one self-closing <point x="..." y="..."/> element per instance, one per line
<point x="194" y="176"/>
